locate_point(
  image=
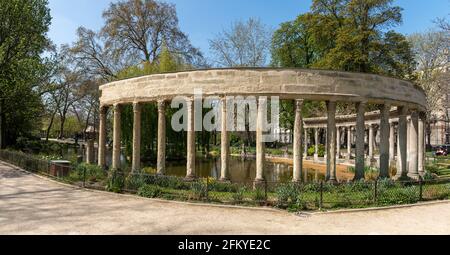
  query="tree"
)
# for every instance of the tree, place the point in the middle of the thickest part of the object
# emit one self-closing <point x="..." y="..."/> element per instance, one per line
<point x="347" y="35"/>
<point x="245" y="44"/>
<point x="293" y="44"/>
<point x="432" y="56"/>
<point x="140" y="28"/>
<point x="22" y="41"/>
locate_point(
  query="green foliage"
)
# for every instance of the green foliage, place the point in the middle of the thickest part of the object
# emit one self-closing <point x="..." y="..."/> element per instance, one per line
<point x="199" y="190"/>
<point x="135" y="181"/>
<point x="116" y="181"/>
<point x="214" y="185"/>
<point x="312" y="150"/>
<point x="22" y="41"/>
<point x="337" y="35"/>
<point x="259" y="194"/>
<point x="150" y="191"/>
<point x="238" y="196"/>
<point x="287" y="194"/>
<point x="93" y="173"/>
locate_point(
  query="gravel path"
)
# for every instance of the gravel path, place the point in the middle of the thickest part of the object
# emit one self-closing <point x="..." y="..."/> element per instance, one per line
<point x="33" y="205"/>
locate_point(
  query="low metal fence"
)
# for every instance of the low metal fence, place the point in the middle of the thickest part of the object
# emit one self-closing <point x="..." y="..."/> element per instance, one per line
<point x="286" y="195"/>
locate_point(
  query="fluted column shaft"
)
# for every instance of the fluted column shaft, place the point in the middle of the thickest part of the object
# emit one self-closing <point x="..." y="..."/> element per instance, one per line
<point x="413" y="143"/>
<point x="371" y="141"/>
<point x="225" y="143"/>
<point x="305" y="145"/>
<point x="349" y="143"/>
<point x="136" y="159"/>
<point x="190" y="164"/>
<point x="421" y="149"/>
<point x="116" y="137"/>
<point x="402" y="143"/>
<point x="360" y="134"/>
<point x="392" y="142"/>
<point x="102" y="138"/>
<point x="338" y="142"/>
<point x="298" y="153"/>
<point x="384" y="141"/>
<point x="316" y="144"/>
<point x="161" y="158"/>
<point x="331" y="141"/>
<point x="260" y="144"/>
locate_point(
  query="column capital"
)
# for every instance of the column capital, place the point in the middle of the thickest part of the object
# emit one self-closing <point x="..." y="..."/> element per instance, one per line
<point x="103" y="109"/>
<point x="136" y="107"/>
<point x="116" y="106"/>
<point x="161" y="105"/>
<point x="299" y="103"/>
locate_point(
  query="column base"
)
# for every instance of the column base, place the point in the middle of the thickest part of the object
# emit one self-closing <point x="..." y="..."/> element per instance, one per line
<point x="190" y="178"/>
<point x="401" y="178"/>
<point x="224" y="180"/>
<point x="259" y="183"/>
<point x="332" y="181"/>
<point x="415" y="177"/>
<point x="316" y="157"/>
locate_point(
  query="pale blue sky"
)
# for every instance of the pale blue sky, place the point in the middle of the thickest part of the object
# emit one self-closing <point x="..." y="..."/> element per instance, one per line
<point x="202" y="19"/>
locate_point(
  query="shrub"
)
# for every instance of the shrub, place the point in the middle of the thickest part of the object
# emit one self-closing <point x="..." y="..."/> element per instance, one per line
<point x="150" y="191"/>
<point x="116" y="181"/>
<point x="238" y="195"/>
<point x="287" y="194"/>
<point x="312" y="150"/>
<point x="93" y="173"/>
<point x="199" y="191"/>
<point x="404" y="195"/>
<point x="259" y="195"/>
<point x="135" y="181"/>
<point x="214" y="185"/>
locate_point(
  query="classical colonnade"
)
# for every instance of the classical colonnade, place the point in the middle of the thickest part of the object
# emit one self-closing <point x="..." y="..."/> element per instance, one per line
<point x="384" y="125"/>
<point x="288" y="84"/>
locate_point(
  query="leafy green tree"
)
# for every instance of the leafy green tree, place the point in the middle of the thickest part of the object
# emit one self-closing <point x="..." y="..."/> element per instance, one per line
<point x="23" y="28"/>
<point x="347" y="35"/>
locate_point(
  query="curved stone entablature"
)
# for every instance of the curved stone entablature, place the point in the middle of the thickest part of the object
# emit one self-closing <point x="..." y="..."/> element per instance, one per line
<point x="402" y="107"/>
<point x="286" y="83"/>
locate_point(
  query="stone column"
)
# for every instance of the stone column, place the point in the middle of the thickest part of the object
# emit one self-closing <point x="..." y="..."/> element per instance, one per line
<point x="305" y="145"/>
<point x="413" y="143"/>
<point x="360" y="134"/>
<point x="408" y="144"/>
<point x="136" y="159"/>
<point x="338" y="142"/>
<point x="349" y="144"/>
<point x="316" y="144"/>
<point x="90" y="152"/>
<point x="225" y="143"/>
<point x="371" y="141"/>
<point x="402" y="154"/>
<point x="298" y="157"/>
<point x="392" y="142"/>
<point x="384" y="141"/>
<point x="161" y="158"/>
<point x="190" y="165"/>
<point x="102" y="138"/>
<point x="260" y="144"/>
<point x="421" y="148"/>
<point x="331" y="142"/>
<point x="117" y="137"/>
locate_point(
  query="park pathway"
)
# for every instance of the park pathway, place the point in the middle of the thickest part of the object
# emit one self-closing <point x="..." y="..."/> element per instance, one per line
<point x="33" y="205"/>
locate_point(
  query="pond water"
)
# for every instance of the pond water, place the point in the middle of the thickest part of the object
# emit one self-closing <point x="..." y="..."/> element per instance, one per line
<point x="241" y="170"/>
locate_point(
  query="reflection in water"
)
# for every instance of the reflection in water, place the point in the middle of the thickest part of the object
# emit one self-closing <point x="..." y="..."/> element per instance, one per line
<point x="241" y="170"/>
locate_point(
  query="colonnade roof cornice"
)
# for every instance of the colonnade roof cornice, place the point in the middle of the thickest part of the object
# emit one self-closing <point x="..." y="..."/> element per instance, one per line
<point x="290" y="84"/>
